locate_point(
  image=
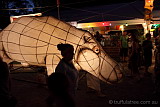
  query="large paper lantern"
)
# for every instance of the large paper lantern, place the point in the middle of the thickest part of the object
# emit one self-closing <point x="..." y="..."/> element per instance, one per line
<point x="33" y="40"/>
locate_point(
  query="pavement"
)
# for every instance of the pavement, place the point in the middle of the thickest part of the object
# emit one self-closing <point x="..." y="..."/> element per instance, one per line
<point x="130" y="92"/>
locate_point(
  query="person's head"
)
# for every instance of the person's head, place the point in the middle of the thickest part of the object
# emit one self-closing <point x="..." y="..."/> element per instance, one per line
<point x="148" y="36"/>
<point x="134" y="37"/>
<point x="67" y="51"/>
<point x="124" y="33"/>
<point x="97" y="33"/>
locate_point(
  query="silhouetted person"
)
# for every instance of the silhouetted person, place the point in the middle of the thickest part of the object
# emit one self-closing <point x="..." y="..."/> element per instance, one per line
<point x="157" y="68"/>
<point x="134" y="57"/>
<point x="98" y="36"/>
<point x="124" y="46"/>
<point x="58" y="85"/>
<point x="6" y="100"/>
<point x="147" y="52"/>
<point x="66" y="67"/>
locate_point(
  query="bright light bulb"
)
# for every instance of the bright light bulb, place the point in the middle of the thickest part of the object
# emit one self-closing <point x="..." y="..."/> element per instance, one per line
<point x="149" y="1"/>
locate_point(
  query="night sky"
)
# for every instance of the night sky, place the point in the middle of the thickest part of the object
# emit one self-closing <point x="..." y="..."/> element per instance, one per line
<point x="85" y="3"/>
<point x="48" y="5"/>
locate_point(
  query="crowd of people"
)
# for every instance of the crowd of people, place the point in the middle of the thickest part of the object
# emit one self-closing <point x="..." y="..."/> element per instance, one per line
<point x="134" y="48"/>
<point x="139" y="54"/>
<point x="137" y="51"/>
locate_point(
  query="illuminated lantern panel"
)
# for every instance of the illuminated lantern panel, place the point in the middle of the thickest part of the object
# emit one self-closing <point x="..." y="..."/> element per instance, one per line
<point x="34" y="40"/>
<point x="149" y="4"/>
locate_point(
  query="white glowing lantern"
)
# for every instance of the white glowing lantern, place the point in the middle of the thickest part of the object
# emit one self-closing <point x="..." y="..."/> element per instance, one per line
<point x="33" y="40"/>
